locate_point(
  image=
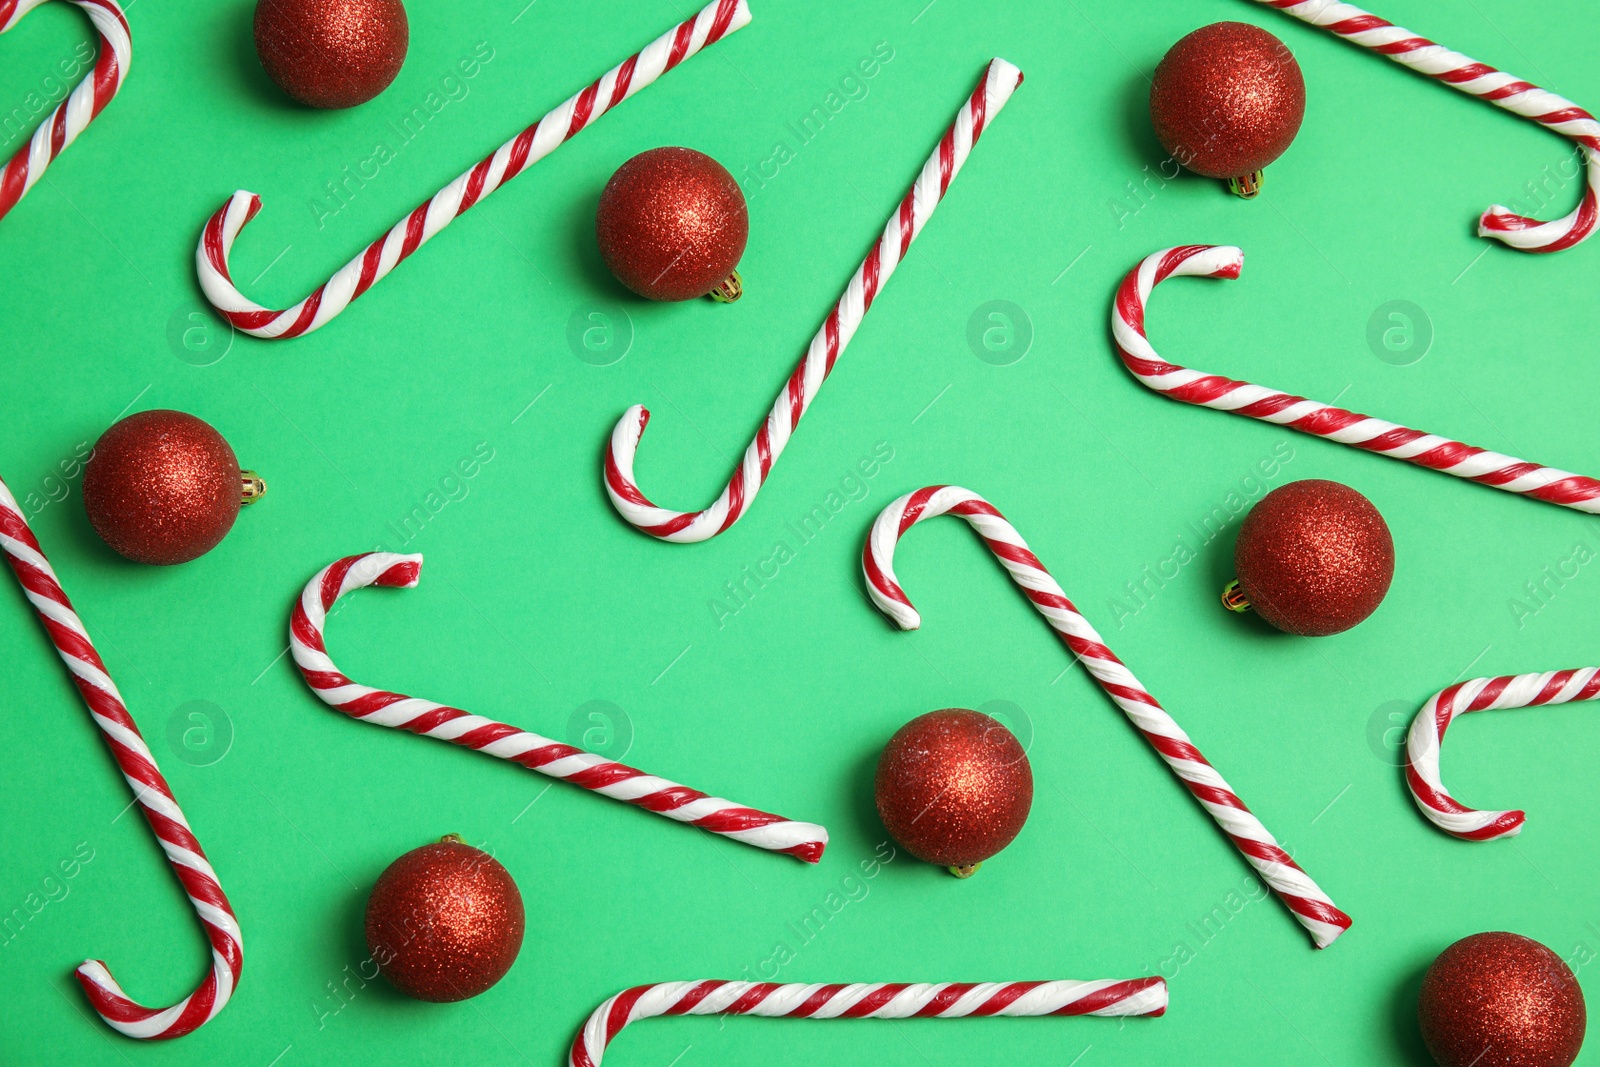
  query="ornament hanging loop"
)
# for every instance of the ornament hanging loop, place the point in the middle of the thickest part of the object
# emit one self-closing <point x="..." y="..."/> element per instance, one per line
<point x="252" y="487"/>
<point x="1248" y="187"/>
<point x="728" y="290"/>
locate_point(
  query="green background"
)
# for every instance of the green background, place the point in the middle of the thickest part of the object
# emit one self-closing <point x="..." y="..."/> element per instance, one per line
<point x="537" y="600"/>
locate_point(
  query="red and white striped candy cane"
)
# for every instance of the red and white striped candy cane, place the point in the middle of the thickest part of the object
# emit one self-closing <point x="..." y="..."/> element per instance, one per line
<point x="714" y="22"/>
<point x="1480" y="694"/>
<point x="868" y="1000"/>
<point x="1294" y="887"/>
<point x="1310" y="416"/>
<point x="998" y="83"/>
<point x="87" y="99"/>
<point x="150" y="791"/>
<point x="1486" y="83"/>
<point x="618" y="781"/>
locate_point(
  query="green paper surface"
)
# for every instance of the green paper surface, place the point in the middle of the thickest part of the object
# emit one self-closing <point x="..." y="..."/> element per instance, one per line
<point x="505" y="344"/>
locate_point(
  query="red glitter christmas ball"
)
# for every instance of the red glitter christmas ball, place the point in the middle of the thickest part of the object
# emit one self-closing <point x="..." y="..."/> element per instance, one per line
<point x="444" y="922"/>
<point x="672" y="225"/>
<point x="954" y="788"/>
<point x="332" y="53"/>
<point x="1227" y="100"/>
<point x="1313" y="558"/>
<point x="164" y="487"/>
<point x="1501" y="1000"/>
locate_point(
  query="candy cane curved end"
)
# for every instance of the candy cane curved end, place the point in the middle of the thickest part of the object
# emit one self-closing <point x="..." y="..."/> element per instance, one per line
<point x="307" y="621"/>
<point x="1469" y="76"/>
<point x="87" y="99"/>
<point x="999" y="81"/>
<point x="712" y="23"/>
<point x="875" y="1000"/>
<point x="1530" y="235"/>
<point x="130" y="1019"/>
<point x="1305" y="900"/>
<point x="1455" y="458"/>
<point x="1424" y="739"/>
<point x="212" y="267"/>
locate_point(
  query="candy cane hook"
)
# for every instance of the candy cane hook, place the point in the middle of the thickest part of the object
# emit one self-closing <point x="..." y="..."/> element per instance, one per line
<point x="999" y="82"/>
<point x="150" y="791"/>
<point x="1486" y="83"/>
<point x="714" y="22"/>
<point x="1480" y="694"/>
<point x="802" y="840"/>
<point x="876" y="1000"/>
<point x="87" y="99"/>
<point x="1309" y="904"/>
<point x="1310" y="416"/>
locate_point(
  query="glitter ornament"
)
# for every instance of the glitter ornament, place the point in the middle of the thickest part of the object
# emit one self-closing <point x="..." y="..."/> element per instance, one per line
<point x="332" y="53"/>
<point x="1314" y="558"/>
<point x="1226" y="101"/>
<point x="954" y="788"/>
<point x="163" y="487"/>
<point x="672" y="225"/>
<point x="445" y="921"/>
<point x="1501" y="1000"/>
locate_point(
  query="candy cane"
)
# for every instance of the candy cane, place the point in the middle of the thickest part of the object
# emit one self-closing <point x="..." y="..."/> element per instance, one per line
<point x="1486" y="83"/>
<point x="1480" y="694"/>
<point x="1294" y="887"/>
<point x="999" y="82"/>
<point x="1310" y="416"/>
<point x="874" y="1000"/>
<point x="615" y="780"/>
<point x="87" y="99"/>
<point x="150" y="791"/>
<point x="714" y="22"/>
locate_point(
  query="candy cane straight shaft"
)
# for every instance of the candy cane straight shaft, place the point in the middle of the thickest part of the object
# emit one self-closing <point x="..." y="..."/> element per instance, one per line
<point x="1480" y="694"/>
<point x="87" y="99"/>
<point x="150" y="791"/>
<point x="877" y="1000"/>
<point x="1310" y="416"/>
<point x="1486" y="83"/>
<point x="619" y="782"/>
<point x="998" y="83"/>
<point x="714" y="22"/>
<point x="1294" y="887"/>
